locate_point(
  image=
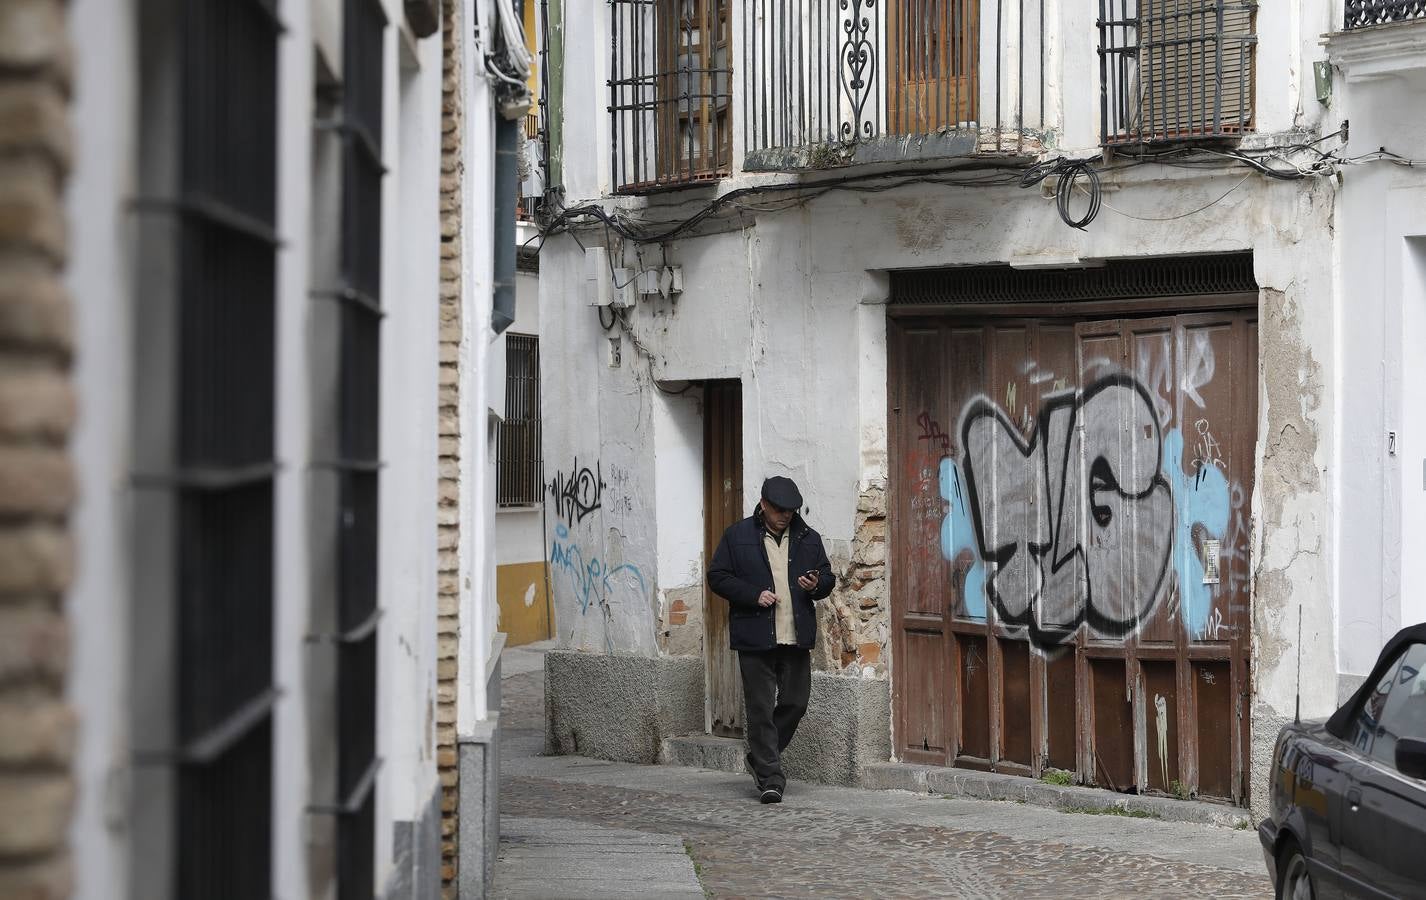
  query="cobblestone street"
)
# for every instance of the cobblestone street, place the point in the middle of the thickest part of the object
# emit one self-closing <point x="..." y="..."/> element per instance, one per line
<point x="823" y="841"/>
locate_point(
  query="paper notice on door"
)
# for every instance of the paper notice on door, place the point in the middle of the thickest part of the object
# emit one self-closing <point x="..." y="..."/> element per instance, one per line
<point x="1210" y="561"/>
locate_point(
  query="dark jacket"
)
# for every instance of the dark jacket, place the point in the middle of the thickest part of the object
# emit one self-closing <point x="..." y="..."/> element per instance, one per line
<point x="740" y="572"/>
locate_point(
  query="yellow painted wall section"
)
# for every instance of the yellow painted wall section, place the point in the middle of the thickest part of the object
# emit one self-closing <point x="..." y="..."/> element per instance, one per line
<point x="524" y="603"/>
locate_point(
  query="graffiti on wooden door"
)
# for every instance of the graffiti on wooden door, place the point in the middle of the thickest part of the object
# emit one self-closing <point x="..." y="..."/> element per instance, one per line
<point x="1083" y="514"/>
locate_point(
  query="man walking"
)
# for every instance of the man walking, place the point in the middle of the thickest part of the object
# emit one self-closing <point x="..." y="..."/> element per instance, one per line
<point x="771" y="568"/>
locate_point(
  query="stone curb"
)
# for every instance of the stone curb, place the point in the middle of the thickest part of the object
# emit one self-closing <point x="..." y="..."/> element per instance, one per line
<point x="965" y="783"/>
<point x="726" y="755"/>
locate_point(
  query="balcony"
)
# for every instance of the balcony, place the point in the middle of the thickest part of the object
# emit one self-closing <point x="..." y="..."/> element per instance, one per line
<point x="670" y="92"/>
<point x="837" y="82"/>
<point x="1175" y="70"/>
<point x="1365" y="13"/>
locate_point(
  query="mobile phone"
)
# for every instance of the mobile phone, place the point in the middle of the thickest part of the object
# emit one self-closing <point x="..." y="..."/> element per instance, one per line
<point x="812" y="573"/>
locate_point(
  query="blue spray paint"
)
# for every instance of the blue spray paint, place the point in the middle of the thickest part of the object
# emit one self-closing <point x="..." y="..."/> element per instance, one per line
<point x="958" y="536"/>
<point x="593" y="580"/>
<point x="1201" y="499"/>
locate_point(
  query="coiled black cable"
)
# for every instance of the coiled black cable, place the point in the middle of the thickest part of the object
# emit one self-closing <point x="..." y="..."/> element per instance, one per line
<point x="1069" y="172"/>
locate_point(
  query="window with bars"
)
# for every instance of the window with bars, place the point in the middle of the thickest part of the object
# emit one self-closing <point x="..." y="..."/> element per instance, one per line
<point x="519" y="468"/>
<point x="1175" y="70"/>
<point x="670" y="92"/>
<point x="204" y="454"/>
<point x="357" y="463"/>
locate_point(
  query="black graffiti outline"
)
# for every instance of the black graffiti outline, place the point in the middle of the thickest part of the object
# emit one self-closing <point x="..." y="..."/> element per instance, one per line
<point x="1052" y="636"/>
<point x="578" y="494"/>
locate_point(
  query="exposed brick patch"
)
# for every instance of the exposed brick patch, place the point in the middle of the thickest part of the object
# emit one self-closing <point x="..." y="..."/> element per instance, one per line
<point x="856" y="625"/>
<point x="37" y="485"/>
<point x="448" y="446"/>
<point x="681" y="621"/>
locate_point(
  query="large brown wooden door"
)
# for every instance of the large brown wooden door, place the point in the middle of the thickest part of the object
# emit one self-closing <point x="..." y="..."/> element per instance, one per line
<point x="722" y="506"/>
<point x="933" y="48"/>
<point x="1070" y="539"/>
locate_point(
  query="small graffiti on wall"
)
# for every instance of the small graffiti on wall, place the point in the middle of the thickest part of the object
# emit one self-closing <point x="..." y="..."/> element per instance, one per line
<point x="578" y="492"/>
<point x="594" y="581"/>
<point x="583" y="574"/>
<point x="1081" y="522"/>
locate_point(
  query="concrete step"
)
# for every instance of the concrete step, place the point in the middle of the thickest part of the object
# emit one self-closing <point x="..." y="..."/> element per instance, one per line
<point x="701" y="751"/>
<point x="969" y="784"/>
<point x="704" y="751"/>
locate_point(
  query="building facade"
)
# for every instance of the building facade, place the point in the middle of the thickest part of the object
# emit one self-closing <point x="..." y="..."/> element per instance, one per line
<point x="1056" y="320"/>
<point x="223" y="416"/>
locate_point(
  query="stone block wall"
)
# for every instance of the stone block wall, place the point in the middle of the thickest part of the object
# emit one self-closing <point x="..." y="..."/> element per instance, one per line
<point x="620" y="707"/>
<point x="37" y="482"/>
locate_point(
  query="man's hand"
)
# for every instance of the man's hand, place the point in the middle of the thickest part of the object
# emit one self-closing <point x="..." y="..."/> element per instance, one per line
<point x="767" y="598"/>
<point x="808" y="581"/>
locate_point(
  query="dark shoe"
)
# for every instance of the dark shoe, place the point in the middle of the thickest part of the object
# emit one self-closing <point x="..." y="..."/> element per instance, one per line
<point x="771" y="795"/>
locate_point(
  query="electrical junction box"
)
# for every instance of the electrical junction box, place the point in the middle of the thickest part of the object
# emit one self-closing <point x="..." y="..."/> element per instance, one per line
<point x="597" y="290"/>
<point x="666" y="282"/>
<point x="622" y="291"/>
<point x="672" y="280"/>
<point x="649" y="283"/>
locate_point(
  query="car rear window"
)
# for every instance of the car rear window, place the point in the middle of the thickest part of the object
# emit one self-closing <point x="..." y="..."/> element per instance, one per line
<point x="1396" y="708"/>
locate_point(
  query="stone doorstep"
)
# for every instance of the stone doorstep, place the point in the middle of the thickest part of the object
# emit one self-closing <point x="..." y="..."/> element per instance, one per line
<point x="726" y="755"/>
<point x="704" y="751"/>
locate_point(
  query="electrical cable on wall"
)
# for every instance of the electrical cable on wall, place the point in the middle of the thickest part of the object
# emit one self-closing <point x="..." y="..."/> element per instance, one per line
<point x="1068" y="172"/>
<point x="1273" y="162"/>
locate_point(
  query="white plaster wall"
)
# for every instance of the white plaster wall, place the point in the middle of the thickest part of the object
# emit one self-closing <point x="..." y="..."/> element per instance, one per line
<point x="410" y="334"/>
<point x="481" y="385"/>
<point x="1412" y="436"/>
<point x="519" y="535"/>
<point x="678" y="488"/>
<point x="99" y="277"/>
<point x="1381" y="223"/>
<point x="603" y="563"/>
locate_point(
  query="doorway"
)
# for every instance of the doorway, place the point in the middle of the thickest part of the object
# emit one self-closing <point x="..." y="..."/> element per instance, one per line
<point x="722" y="506"/>
<point x="1070" y="538"/>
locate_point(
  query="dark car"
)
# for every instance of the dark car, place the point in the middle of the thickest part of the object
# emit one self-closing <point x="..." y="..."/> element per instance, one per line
<point x="1347" y="799"/>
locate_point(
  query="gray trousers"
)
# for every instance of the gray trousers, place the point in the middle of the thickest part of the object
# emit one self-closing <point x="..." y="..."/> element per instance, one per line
<point x="776" y="686"/>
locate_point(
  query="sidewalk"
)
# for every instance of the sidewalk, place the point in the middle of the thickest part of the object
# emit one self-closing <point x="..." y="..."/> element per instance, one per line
<point x="575" y="827"/>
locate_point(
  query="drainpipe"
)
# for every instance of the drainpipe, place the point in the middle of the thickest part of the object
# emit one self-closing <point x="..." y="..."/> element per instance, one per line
<point x="507" y="145"/>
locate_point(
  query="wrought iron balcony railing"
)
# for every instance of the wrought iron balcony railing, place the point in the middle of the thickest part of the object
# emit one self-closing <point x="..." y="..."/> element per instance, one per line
<point x="828" y="82"/>
<point x="670" y="87"/>
<point x="1175" y="70"/>
<point x="1364" y="13"/>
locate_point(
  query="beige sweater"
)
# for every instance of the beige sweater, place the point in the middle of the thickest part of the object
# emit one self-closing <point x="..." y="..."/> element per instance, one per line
<point x="785" y="628"/>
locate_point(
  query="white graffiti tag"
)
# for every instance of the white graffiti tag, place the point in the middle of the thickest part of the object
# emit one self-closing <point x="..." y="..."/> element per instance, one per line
<point x="1077" y="524"/>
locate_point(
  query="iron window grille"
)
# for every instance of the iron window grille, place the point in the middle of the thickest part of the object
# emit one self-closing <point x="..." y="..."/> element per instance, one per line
<point x="357" y="464"/>
<point x="519" y="468"/>
<point x="1175" y="70"/>
<point x="963" y="75"/>
<point x="1364" y="13"/>
<point x="224" y="227"/>
<point x="670" y="92"/>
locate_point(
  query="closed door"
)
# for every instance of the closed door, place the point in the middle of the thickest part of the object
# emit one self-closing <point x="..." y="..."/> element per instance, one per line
<point x="722" y="506"/>
<point x="1070" y="530"/>
<point x="931" y="64"/>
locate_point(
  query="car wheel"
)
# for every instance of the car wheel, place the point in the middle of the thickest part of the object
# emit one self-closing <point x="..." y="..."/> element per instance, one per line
<point x="1293" y="880"/>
